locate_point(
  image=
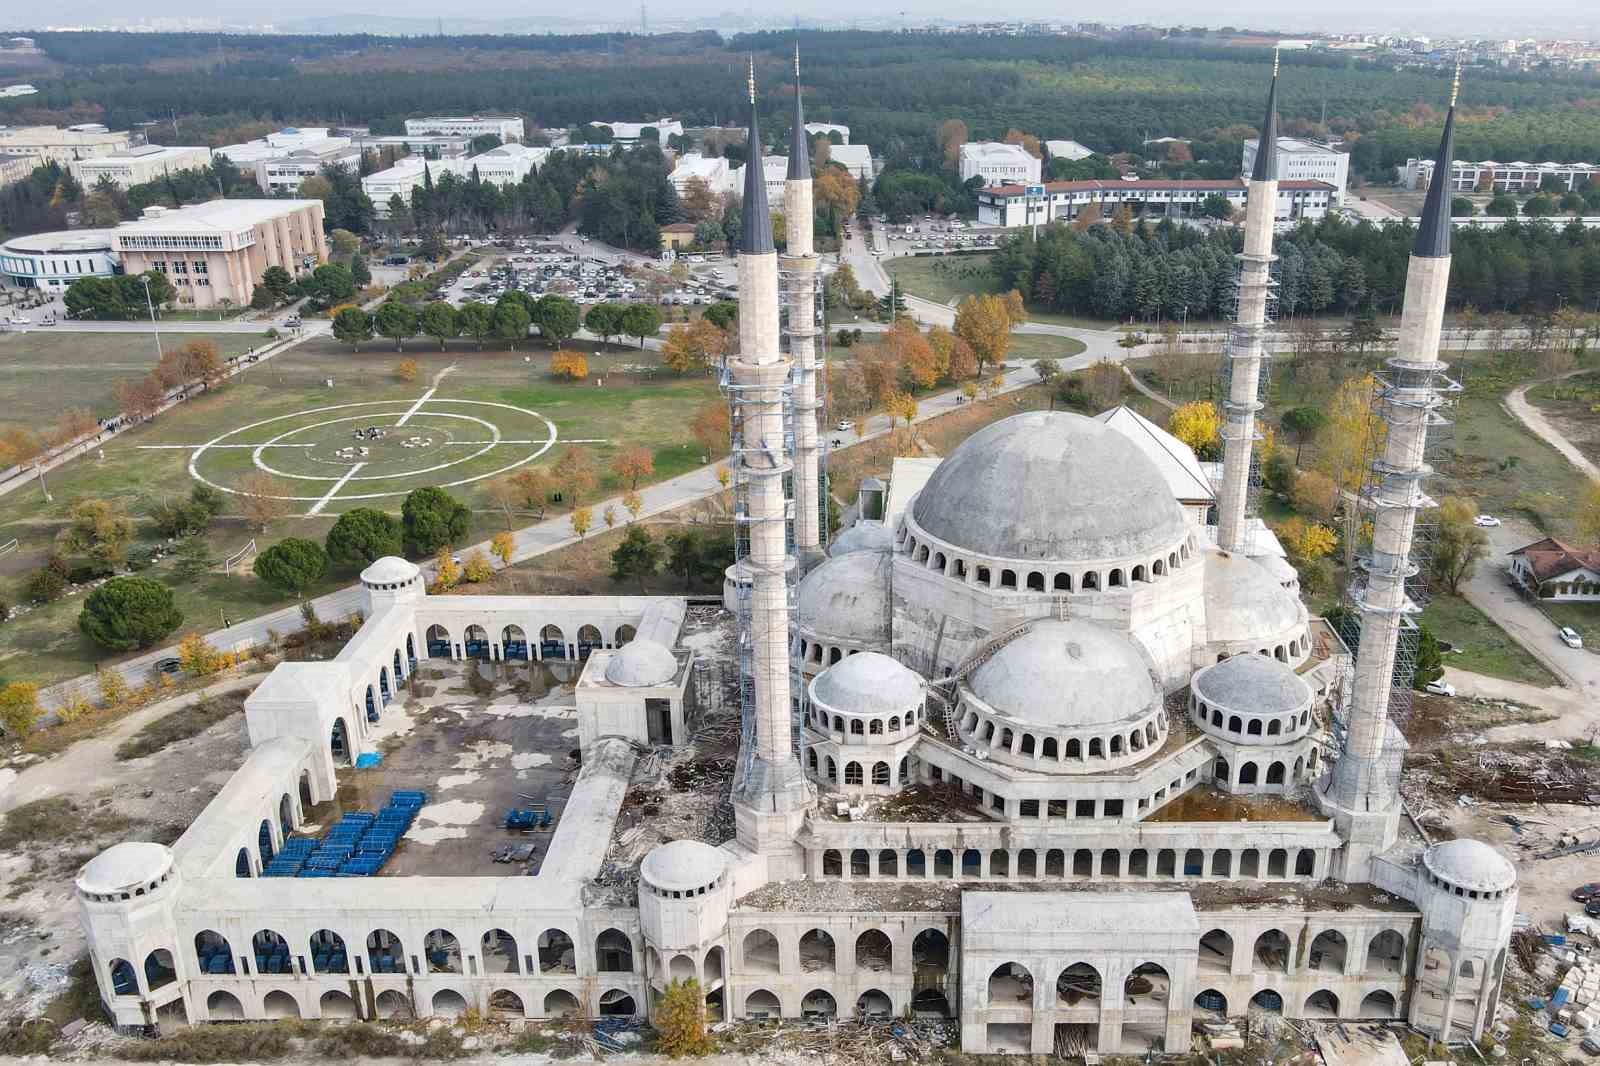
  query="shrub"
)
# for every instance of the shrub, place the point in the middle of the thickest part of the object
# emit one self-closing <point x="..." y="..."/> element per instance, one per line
<point x="19" y="707"/>
<point x="30" y="1036"/>
<point x="477" y="568"/>
<point x="198" y="657"/>
<point x="570" y="365"/>
<point x="681" y="1020"/>
<point x="129" y="612"/>
<point x="44" y="586"/>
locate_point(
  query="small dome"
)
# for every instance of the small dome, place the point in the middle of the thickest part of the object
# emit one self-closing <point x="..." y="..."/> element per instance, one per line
<point x="867" y="683"/>
<point x="846" y="598"/>
<point x="1279" y="569"/>
<point x="682" y="865"/>
<point x="1090" y="493"/>
<point x="390" y="570"/>
<point x="125" y="867"/>
<point x="1067" y="675"/>
<point x="1244" y="602"/>
<point x="1253" y="683"/>
<point x="864" y="536"/>
<point x="1471" y="864"/>
<point x="640" y="664"/>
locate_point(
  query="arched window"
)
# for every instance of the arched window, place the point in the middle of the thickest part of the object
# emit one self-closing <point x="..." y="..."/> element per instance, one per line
<point x="1008" y="579"/>
<point x="852" y="773"/>
<point x="1062" y="582"/>
<point x="1114" y="579"/>
<point x="1035" y="581"/>
<point x="1091" y="581"/>
<point x="875" y="727"/>
<point x="880" y="773"/>
<point x="855" y="727"/>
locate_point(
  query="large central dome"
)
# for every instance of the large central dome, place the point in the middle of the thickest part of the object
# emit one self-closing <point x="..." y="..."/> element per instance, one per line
<point x="1050" y="486"/>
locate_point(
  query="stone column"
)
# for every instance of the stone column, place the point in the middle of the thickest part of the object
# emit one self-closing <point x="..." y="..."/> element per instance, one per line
<point x="800" y="269"/>
<point x="1245" y="344"/>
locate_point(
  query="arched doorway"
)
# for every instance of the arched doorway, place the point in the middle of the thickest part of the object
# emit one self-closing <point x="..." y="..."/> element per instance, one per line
<point x="285" y="816"/>
<point x="617" y="1004"/>
<point x="336" y="1004"/>
<point x="328" y="952"/>
<point x="556" y="952"/>
<point x="514" y="643"/>
<point x="241" y="863"/>
<point x="500" y="952"/>
<point x="385" y="954"/>
<point x="816" y="952"/>
<point x="224" y="1007"/>
<point x="1321" y="1004"/>
<point x="625" y="633"/>
<point x="552" y="642"/>
<point x="874" y="1006"/>
<point x="159" y="969"/>
<point x="340" y="743"/>
<point x="1216" y="952"/>
<point x="760" y="952"/>
<point x="476" y="642"/>
<point x="438" y="642"/>
<point x="589" y="639"/>
<point x="442" y="951"/>
<point x="762" y="1005"/>
<point x="560" y="1004"/>
<point x="213" y="953"/>
<point x="1011" y="985"/>
<point x="392" y="1004"/>
<point x="448" y="1003"/>
<point x="271" y="951"/>
<point x="280" y="1004"/>
<point x="819" y="1005"/>
<point x="371" y="705"/>
<point x="613" y="952"/>
<point x="264" y="842"/>
<point x="874" y="952"/>
<point x="1211" y="1002"/>
<point x="1328" y="952"/>
<point x="1379" y="1004"/>
<point x="505" y="1003"/>
<point x="1272" y="951"/>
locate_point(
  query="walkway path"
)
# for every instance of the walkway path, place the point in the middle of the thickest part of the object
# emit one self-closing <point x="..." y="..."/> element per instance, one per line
<point x="1541" y="427"/>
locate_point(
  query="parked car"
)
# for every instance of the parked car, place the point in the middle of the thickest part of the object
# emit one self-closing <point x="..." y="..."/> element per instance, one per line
<point x="168" y="666"/>
<point x="1592" y="908"/>
<point x="844" y="425"/>
<point x="17" y="320"/>
<point x="1440" y="688"/>
<point x="1486" y="520"/>
<point x="1570" y="637"/>
<point x="1584" y="893"/>
<point x="1590" y="1046"/>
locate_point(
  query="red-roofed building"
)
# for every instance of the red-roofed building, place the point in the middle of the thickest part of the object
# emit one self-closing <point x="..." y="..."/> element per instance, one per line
<point x="1553" y="571"/>
<point x="1060" y="201"/>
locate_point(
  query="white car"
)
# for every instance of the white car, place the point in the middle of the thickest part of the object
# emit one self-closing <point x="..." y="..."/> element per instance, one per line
<point x="1570" y="637"/>
<point x="1486" y="520"/>
<point x="1440" y="688"/>
<point x="844" y="425"/>
<point x="18" y="320"/>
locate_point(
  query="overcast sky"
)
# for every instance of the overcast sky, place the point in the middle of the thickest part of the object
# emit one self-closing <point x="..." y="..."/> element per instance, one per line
<point x="1463" y="17"/>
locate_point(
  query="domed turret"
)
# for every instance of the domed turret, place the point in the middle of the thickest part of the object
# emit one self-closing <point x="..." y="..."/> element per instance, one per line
<point x="868" y="684"/>
<point x="1248" y="609"/>
<point x="389" y="580"/>
<point x="640" y="664"/>
<point x="844" y="606"/>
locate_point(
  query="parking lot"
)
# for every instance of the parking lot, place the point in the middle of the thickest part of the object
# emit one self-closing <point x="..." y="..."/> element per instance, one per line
<point x="930" y="235"/>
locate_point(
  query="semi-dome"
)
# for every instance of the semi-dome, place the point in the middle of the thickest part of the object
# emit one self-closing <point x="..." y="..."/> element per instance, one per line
<point x="1090" y="493"/>
<point x="125" y="867"/>
<point x="1471" y="865"/>
<point x="1254" y="683"/>
<point x="864" y="536"/>
<point x="642" y="663"/>
<point x="1243" y="601"/>
<point x="846" y="598"/>
<point x="389" y="570"/>
<point x="1068" y="675"/>
<point x="867" y="683"/>
<point x="683" y="865"/>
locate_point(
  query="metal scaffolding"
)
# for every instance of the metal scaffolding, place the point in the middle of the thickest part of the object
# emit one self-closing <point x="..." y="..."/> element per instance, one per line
<point x="751" y="459"/>
<point x="787" y="298"/>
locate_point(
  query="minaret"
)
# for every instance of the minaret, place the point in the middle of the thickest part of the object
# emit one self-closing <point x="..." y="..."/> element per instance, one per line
<point x="800" y="287"/>
<point x="1247" y="338"/>
<point x="772" y="794"/>
<point x="1364" y="790"/>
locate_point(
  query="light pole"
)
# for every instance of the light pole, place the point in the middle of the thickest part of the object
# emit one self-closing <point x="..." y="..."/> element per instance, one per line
<point x="151" y="307"/>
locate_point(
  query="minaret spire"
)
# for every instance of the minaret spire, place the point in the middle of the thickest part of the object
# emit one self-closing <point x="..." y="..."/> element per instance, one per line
<point x="755" y="232"/>
<point x="1433" y="232"/>
<point x="799" y="146"/>
<point x="1266" y="168"/>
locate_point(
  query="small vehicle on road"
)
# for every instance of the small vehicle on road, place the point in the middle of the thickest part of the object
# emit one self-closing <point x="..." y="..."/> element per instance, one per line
<point x="1590" y="1046"/>
<point x="1487" y="520"/>
<point x="1570" y="637"/>
<point x="844" y="425"/>
<point x="18" y="320"/>
<point x="1584" y="893"/>
<point x="1440" y="688"/>
<point x="169" y="666"/>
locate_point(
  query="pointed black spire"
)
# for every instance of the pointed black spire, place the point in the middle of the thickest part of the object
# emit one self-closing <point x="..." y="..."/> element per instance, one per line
<point x="799" y="149"/>
<point x="1266" y="168"/>
<point x="755" y="237"/>
<point x="1433" y="233"/>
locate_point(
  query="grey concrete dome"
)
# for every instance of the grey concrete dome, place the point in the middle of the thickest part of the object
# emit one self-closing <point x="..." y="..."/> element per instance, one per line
<point x="864" y="536"/>
<point x="1470" y="864"/>
<point x="867" y="683"/>
<point x="846" y="598"/>
<point x="1051" y="486"/>
<point x="125" y="867"/>
<point x="1244" y="602"/>
<point x="1253" y="683"/>
<point x="640" y="664"/>
<point x="683" y="865"/>
<point x="389" y="570"/>
<point x="1068" y="675"/>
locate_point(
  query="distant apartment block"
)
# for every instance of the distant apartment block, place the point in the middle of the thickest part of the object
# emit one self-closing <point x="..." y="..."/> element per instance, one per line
<point x="827" y="128"/>
<point x="282" y="174"/>
<point x="1300" y="160"/>
<point x="135" y="166"/>
<point x="52" y="144"/>
<point x="856" y="158"/>
<point x="713" y="170"/>
<point x="274" y="145"/>
<point x="998" y="164"/>
<point x="1490" y="176"/>
<point x="218" y="250"/>
<point x="505" y="165"/>
<point x="506" y="127"/>
<point x="15" y="168"/>
<point x="629" y="133"/>
<point x="1062" y="201"/>
<point x="19" y="89"/>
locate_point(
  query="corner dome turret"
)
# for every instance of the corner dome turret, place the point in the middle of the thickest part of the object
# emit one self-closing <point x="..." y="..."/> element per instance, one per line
<point x="132" y="867"/>
<point x="1470" y="865"/>
<point x="390" y="570"/>
<point x="642" y="663"/>
<point x="868" y="683"/>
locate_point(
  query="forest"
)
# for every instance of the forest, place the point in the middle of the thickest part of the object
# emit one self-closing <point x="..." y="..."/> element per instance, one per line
<point x="1171" y="272"/>
<point x="893" y="89"/>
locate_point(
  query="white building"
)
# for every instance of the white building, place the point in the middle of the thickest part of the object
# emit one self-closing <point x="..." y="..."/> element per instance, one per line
<point x="713" y="170"/>
<point x="1016" y="205"/>
<point x="1552" y="570"/>
<point x="281" y="143"/>
<point x="52" y="144"/>
<point x="1301" y="160"/>
<point x="827" y="128"/>
<point x="52" y="261"/>
<point x="20" y="89"/>
<point x="282" y="174"/>
<point x="775" y="169"/>
<point x="998" y="164"/>
<point x="856" y="158"/>
<point x="15" y="167"/>
<point x="135" y="166"/>
<point x="628" y="134"/>
<point x="1490" y="176"/>
<point x="1067" y="150"/>
<point x="506" y="165"/>
<point x="507" y="127"/>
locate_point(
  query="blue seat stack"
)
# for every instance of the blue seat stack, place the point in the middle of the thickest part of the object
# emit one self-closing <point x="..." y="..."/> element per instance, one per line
<point x="358" y="844"/>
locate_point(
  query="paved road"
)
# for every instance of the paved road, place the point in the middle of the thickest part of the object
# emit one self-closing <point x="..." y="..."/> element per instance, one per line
<point x="1530" y="416"/>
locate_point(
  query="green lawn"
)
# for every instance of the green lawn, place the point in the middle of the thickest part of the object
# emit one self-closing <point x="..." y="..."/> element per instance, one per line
<point x="943" y="278"/>
<point x="653" y="409"/>
<point x="1483" y="646"/>
<point x="1031" y="346"/>
<point x="1584" y="617"/>
<point x="44" y="373"/>
<point x="1571" y="404"/>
